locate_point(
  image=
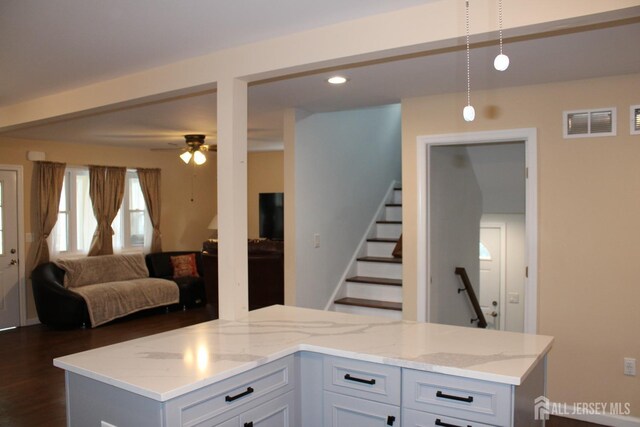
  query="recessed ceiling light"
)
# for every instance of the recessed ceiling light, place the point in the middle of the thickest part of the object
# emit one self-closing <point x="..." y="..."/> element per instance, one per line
<point x="337" y="80"/>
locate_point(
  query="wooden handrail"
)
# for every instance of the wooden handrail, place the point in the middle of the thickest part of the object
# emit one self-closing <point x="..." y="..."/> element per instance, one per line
<point x="462" y="272"/>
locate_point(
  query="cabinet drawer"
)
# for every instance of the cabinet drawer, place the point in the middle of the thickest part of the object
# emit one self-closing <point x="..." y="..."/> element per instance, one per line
<point x="346" y="411"/>
<point x="372" y="381"/>
<point x="412" y="418"/>
<point x="258" y="384"/>
<point x="463" y="398"/>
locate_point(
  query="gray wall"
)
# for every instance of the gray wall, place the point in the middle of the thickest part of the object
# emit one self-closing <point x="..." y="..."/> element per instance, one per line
<point x="499" y="169"/>
<point x="345" y="162"/>
<point x="456" y="209"/>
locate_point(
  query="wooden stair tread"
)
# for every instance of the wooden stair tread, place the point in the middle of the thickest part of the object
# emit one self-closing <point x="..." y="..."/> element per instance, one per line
<point x="361" y="302"/>
<point x="388" y="222"/>
<point x="375" y="280"/>
<point x="383" y="240"/>
<point x="390" y="260"/>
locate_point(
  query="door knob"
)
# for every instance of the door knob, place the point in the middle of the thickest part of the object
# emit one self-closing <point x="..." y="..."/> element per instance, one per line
<point x="13" y="251"/>
<point x="13" y="262"/>
<point x="493" y="314"/>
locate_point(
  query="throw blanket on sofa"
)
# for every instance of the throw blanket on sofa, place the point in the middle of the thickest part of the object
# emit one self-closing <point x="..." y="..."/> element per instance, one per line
<point x="116" y="285"/>
<point x="108" y="301"/>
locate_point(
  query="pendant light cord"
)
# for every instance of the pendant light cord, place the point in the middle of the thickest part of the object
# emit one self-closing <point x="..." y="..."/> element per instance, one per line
<point x="500" y="23"/>
<point x="468" y="56"/>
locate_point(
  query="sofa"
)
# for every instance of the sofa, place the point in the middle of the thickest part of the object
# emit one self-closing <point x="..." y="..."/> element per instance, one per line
<point x="191" y="286"/>
<point x="95" y="290"/>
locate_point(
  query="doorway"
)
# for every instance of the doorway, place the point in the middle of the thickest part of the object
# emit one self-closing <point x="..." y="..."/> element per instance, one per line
<point x="492" y="283"/>
<point x="431" y="271"/>
<point x="11" y="272"/>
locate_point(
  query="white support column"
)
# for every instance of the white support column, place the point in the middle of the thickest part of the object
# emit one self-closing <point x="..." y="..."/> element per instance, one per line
<point x="233" y="294"/>
<point x="289" y="138"/>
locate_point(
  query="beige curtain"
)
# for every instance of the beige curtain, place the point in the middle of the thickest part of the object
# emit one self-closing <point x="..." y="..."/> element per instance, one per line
<point x="48" y="180"/>
<point x="150" y="185"/>
<point x="106" y="190"/>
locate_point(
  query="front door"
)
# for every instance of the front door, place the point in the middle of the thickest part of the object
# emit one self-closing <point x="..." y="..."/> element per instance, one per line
<point x="490" y="274"/>
<point x="9" y="273"/>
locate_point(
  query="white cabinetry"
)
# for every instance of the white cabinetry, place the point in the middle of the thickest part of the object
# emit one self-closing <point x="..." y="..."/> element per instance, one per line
<point x="360" y="393"/>
<point x="210" y="405"/>
<point x="278" y="412"/>
<point x="464" y="398"/>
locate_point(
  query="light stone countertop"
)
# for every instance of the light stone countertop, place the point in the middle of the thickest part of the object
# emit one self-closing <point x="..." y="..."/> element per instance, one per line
<point x="173" y="363"/>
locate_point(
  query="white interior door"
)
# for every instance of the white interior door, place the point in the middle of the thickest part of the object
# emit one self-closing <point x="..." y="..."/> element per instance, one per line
<point x="491" y="260"/>
<point x="9" y="273"/>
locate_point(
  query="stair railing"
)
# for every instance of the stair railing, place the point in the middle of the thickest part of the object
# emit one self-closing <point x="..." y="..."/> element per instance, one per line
<point x="462" y="272"/>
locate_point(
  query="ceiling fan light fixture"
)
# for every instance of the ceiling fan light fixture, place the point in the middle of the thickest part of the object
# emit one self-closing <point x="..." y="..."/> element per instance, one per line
<point x="199" y="157"/>
<point x="186" y="157"/>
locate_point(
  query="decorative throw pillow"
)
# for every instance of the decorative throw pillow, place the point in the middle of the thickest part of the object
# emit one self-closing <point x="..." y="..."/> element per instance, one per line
<point x="184" y="266"/>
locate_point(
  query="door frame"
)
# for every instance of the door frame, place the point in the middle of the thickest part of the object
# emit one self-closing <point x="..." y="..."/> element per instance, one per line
<point x="503" y="268"/>
<point x="21" y="250"/>
<point x="424" y="143"/>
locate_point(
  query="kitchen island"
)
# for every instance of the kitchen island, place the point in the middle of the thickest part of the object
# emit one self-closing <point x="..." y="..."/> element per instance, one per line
<point x="291" y="366"/>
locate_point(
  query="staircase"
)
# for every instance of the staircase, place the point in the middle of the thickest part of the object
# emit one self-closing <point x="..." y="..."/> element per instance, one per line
<point x="372" y="284"/>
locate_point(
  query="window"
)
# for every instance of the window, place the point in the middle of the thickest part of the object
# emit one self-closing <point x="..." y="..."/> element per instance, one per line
<point x="485" y="255"/>
<point x="76" y="223"/>
<point x="132" y="220"/>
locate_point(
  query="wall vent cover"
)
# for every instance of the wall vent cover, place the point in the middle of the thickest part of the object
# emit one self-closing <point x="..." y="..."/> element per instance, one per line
<point x="635" y="120"/>
<point x="589" y="123"/>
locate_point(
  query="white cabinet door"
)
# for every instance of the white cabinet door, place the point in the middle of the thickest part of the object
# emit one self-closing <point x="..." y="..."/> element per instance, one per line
<point x="278" y="412"/>
<point x="345" y="411"/>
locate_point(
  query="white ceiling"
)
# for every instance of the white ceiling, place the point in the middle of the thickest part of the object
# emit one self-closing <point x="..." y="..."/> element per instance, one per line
<point x="92" y="40"/>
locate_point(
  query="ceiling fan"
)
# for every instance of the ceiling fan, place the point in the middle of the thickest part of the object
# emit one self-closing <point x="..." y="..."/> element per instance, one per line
<point x="195" y="149"/>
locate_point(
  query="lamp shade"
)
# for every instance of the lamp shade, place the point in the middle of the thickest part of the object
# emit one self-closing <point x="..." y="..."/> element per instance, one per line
<point x="199" y="157"/>
<point x="186" y="156"/>
<point x="213" y="225"/>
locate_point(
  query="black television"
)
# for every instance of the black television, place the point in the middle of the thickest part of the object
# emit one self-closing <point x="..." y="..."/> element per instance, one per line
<point x="272" y="216"/>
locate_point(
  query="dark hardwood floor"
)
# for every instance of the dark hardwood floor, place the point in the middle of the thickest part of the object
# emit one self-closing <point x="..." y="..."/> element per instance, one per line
<point x="32" y="389"/>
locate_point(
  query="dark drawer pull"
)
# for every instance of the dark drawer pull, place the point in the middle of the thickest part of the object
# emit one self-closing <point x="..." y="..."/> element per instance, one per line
<point x="390" y="420"/>
<point x="359" y="380"/>
<point x="440" y="423"/>
<point x="249" y="424"/>
<point x="467" y="399"/>
<point x="238" y="396"/>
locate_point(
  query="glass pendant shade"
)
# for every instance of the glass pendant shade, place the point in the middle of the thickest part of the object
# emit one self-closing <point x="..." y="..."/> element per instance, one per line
<point x="199" y="158"/>
<point x="501" y="62"/>
<point x="186" y="156"/>
<point x="469" y="113"/>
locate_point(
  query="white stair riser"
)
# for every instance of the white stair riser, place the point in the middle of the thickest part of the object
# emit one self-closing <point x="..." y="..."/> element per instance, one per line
<point x="393" y="213"/>
<point x="397" y="196"/>
<point x="375" y="292"/>
<point x="380" y="248"/>
<point x="368" y="311"/>
<point x="392" y="231"/>
<point x="385" y="270"/>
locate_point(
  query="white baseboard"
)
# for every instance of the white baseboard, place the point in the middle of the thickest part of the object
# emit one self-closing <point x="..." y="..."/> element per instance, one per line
<point x="32" y="321"/>
<point x="606" y="419"/>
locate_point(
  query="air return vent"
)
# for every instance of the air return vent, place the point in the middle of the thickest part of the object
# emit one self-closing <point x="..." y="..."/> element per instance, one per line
<point x="586" y="123"/>
<point x="635" y="120"/>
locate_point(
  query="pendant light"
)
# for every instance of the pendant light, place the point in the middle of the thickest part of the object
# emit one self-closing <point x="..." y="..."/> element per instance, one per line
<point x="501" y="62"/>
<point x="468" y="113"/>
